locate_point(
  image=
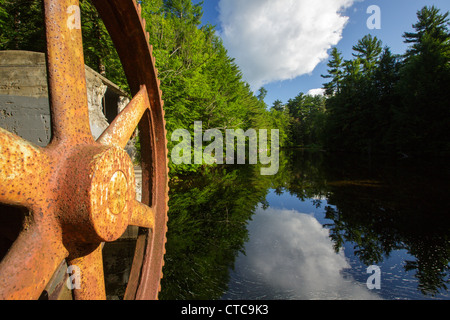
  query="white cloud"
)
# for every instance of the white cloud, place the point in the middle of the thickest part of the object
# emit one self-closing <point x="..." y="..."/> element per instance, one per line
<point x="283" y="39"/>
<point x="290" y="255"/>
<point x="316" y="92"/>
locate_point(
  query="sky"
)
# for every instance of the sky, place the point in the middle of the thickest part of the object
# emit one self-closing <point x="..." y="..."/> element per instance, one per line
<point x="290" y="256"/>
<point x="284" y="45"/>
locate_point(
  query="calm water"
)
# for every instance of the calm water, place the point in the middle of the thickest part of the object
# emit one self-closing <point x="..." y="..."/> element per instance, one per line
<point x="311" y="231"/>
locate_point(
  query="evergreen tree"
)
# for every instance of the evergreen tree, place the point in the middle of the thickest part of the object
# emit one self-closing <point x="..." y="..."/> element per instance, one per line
<point x="278" y="105"/>
<point x="368" y="50"/>
<point x="185" y="11"/>
<point x="306" y="113"/>
<point x="432" y="33"/>
<point x="387" y="100"/>
<point x="22" y="25"/>
<point x="425" y="78"/>
<point x="335" y="73"/>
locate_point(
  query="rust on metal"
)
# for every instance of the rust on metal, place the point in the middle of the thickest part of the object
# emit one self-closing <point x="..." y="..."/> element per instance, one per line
<point x="81" y="192"/>
<point x="122" y="127"/>
<point x="66" y="72"/>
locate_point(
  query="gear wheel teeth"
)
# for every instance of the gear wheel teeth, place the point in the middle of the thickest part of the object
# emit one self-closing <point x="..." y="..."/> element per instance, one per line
<point x="138" y="7"/>
<point x="143" y="22"/>
<point x="161" y="102"/>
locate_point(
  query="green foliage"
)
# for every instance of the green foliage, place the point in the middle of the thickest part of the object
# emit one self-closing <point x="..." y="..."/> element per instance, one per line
<point x="335" y="73"/>
<point x="281" y="120"/>
<point x="382" y="103"/>
<point x="200" y="82"/>
<point x="21" y="25"/>
<point x="431" y="34"/>
<point x="306" y="113"/>
<point x="425" y="79"/>
<point x="368" y="51"/>
<point x="99" y="51"/>
<point x="22" y="28"/>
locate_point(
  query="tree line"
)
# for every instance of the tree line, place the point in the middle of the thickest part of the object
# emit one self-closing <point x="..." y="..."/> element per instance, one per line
<point x="382" y="103"/>
<point x="200" y="82"/>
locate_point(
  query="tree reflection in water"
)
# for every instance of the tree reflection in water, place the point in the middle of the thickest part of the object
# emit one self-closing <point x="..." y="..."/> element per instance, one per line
<point x="377" y="206"/>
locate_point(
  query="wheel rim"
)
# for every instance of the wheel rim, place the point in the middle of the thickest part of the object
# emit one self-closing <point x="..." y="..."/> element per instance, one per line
<point x="81" y="192"/>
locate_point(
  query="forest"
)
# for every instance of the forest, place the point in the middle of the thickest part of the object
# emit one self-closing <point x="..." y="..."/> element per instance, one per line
<point x="375" y="103"/>
<point x="382" y="103"/>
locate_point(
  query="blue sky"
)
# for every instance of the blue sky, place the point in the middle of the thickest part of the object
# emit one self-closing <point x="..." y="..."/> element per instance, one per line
<point x="308" y="29"/>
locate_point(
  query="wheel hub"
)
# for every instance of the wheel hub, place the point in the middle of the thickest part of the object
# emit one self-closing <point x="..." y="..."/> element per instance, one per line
<point x="102" y="190"/>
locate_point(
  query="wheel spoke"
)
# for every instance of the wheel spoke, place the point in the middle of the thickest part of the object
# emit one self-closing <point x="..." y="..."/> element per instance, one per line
<point x="30" y="264"/>
<point x="92" y="282"/>
<point x="122" y="128"/>
<point x="66" y="71"/>
<point x="39" y="178"/>
<point x="23" y="168"/>
<point x="136" y="268"/>
<point x="142" y="216"/>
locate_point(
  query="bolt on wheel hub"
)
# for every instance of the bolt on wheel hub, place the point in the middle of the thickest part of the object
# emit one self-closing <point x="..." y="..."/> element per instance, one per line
<point x="102" y="192"/>
<point x="117" y="191"/>
<point x="112" y="190"/>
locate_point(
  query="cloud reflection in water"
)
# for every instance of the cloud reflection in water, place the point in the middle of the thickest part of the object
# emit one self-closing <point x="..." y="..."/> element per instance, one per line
<point x="290" y="256"/>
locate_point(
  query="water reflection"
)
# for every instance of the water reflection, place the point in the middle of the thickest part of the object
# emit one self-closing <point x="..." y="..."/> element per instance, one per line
<point x="290" y="256"/>
<point x="236" y="234"/>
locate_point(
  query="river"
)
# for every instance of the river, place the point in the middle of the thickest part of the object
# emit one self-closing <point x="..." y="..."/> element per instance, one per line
<point x="325" y="227"/>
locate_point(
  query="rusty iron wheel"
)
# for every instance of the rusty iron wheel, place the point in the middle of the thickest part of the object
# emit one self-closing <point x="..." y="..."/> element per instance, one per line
<point x="80" y="192"/>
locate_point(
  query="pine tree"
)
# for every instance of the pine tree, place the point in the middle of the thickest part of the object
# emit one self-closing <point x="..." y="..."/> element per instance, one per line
<point x="368" y="50"/>
<point x="335" y="73"/>
<point x="22" y="25"/>
<point x="425" y="79"/>
<point x="432" y="33"/>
